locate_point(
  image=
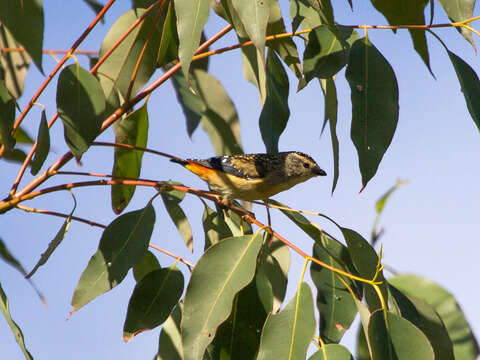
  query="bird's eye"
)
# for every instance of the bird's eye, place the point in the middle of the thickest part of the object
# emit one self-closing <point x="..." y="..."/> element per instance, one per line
<point x="306" y="165"/>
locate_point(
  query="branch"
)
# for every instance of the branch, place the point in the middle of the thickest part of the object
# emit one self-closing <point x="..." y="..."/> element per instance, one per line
<point x="92" y="71"/>
<point x="47" y="51"/>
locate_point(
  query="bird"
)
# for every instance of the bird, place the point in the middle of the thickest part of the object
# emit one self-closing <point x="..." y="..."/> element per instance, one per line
<point x="253" y="176"/>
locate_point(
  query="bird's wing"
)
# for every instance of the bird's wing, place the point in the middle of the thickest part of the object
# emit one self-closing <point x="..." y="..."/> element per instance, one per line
<point x="243" y="166"/>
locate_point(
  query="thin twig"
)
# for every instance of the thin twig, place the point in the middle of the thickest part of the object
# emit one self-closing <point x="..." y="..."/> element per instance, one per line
<point x="48" y="51"/>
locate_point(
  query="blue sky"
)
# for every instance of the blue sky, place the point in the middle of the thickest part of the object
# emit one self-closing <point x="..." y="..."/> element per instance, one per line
<point x="431" y="225"/>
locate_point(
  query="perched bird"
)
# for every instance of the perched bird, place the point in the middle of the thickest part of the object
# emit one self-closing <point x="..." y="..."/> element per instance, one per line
<point x="253" y="176"/>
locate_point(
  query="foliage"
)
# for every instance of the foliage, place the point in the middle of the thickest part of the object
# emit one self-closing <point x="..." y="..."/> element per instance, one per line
<point x="232" y="305"/>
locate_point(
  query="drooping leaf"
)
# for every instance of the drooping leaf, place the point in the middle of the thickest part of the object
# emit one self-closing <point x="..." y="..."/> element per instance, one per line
<point x="122" y="246"/>
<point x="324" y="8"/>
<point x="470" y="85"/>
<point x="13" y="65"/>
<point x="115" y="74"/>
<point x="191" y="17"/>
<point x="458" y="10"/>
<point x="374" y="93"/>
<point x="57" y="240"/>
<point x="275" y="111"/>
<point x="253" y="62"/>
<point x="239" y="336"/>
<point x="399" y="340"/>
<point x="7" y="117"/>
<point x="284" y="47"/>
<point x="212" y="107"/>
<point x="379" y="205"/>
<point x="148" y="264"/>
<point x="330" y="115"/>
<point x="131" y="130"/>
<point x="170" y="340"/>
<point x="15" y="155"/>
<point x="81" y="105"/>
<point x="24" y="20"/>
<point x="335" y="304"/>
<point x="8" y="257"/>
<point x="363" y="343"/>
<point x="365" y="260"/>
<point x="465" y="345"/>
<point x="168" y="49"/>
<point x="304" y="15"/>
<point x="172" y="201"/>
<point x="17" y="332"/>
<point x="332" y="352"/>
<point x="95" y="6"/>
<point x="411" y="13"/>
<point x="274" y="261"/>
<point x="327" y="51"/>
<point x="221" y="272"/>
<point x="286" y="335"/>
<point x="43" y="145"/>
<point x="152" y="301"/>
<point x="424" y="316"/>
<point x="214" y="226"/>
<point x="22" y="137"/>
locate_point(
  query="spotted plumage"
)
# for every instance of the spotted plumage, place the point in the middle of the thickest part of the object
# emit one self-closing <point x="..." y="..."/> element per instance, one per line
<point x="254" y="176"/>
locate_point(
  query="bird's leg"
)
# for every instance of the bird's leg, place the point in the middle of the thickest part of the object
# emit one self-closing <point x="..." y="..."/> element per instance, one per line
<point x="269" y="223"/>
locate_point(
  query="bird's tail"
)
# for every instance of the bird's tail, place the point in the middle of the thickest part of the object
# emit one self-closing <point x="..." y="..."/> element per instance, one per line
<point x="179" y="161"/>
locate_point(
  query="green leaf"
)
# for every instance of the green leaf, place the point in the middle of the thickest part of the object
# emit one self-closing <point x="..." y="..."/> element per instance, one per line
<point x="411" y="13"/>
<point x="57" y="240"/>
<point x="465" y="345"/>
<point x="221" y="272"/>
<point x="122" y="246"/>
<point x="95" y="6"/>
<point x="239" y="336"/>
<point x="21" y="137"/>
<point x="172" y="200"/>
<point x="324" y="8"/>
<point x="284" y="47"/>
<point x="170" y="340"/>
<point x="458" y="10"/>
<point x="214" y="226"/>
<point x="16" y="156"/>
<point x="363" y="345"/>
<point x="275" y="111"/>
<point x="115" y="74"/>
<point x="330" y="115"/>
<point x="332" y="352"/>
<point x="168" y="49"/>
<point x="406" y="340"/>
<point x="131" y="130"/>
<point x="152" y="301"/>
<point x="148" y="264"/>
<point x="253" y="61"/>
<point x="365" y="260"/>
<point x="304" y="15"/>
<point x="470" y="85"/>
<point x="327" y="51"/>
<point x="425" y="318"/>
<point x="24" y="20"/>
<point x="286" y="335"/>
<point x="335" y="304"/>
<point x="43" y="145"/>
<point x="274" y="262"/>
<point x="212" y="107"/>
<point x="8" y="257"/>
<point x="7" y="117"/>
<point x="13" y="64"/>
<point x="17" y="332"/>
<point x="374" y="92"/>
<point x="191" y="18"/>
<point x="81" y="106"/>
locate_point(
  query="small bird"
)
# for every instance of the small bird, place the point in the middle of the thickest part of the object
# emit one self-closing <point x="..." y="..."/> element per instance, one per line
<point x="253" y="176"/>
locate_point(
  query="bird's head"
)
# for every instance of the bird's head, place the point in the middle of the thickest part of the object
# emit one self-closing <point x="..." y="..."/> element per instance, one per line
<point x="301" y="166"/>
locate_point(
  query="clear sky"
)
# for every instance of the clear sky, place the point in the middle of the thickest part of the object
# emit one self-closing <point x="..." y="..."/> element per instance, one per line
<point x="431" y="225"/>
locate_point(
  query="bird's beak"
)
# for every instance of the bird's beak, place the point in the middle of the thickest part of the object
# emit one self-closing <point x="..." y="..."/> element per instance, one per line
<point x="318" y="171"/>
